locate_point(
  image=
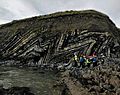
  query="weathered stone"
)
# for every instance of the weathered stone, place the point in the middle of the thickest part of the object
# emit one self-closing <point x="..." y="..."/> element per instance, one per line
<point x="51" y="40"/>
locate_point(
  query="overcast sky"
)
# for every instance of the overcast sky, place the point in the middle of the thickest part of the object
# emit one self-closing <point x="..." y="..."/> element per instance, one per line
<point x="19" y="9"/>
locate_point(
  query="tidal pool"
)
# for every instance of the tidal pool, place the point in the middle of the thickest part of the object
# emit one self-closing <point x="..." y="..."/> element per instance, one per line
<point x="39" y="83"/>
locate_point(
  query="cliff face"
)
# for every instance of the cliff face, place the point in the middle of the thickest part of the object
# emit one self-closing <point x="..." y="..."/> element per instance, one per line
<point x="54" y="38"/>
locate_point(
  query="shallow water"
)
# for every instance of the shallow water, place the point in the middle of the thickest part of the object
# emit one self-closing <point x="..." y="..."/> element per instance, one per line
<point x="39" y="83"/>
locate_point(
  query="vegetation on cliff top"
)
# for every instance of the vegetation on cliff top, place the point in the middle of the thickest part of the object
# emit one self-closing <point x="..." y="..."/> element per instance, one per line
<point x="58" y="14"/>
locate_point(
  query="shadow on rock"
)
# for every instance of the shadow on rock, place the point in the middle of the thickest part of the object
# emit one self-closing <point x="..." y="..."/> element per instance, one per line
<point x="16" y="91"/>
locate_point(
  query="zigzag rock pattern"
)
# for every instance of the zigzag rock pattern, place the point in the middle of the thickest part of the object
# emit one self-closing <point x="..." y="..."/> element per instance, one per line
<point x="54" y="38"/>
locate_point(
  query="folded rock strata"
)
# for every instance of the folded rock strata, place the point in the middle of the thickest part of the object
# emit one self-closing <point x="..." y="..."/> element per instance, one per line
<point x="54" y="38"/>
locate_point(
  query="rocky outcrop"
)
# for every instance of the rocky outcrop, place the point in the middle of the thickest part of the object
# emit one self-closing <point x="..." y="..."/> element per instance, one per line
<point x="103" y="79"/>
<point x="53" y="38"/>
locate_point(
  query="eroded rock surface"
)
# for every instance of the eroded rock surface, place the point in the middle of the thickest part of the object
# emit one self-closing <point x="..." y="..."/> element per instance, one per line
<point x="52" y="39"/>
<point x="100" y="80"/>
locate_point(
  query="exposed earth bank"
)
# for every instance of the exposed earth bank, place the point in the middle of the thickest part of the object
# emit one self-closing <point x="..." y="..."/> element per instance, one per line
<point x="50" y="41"/>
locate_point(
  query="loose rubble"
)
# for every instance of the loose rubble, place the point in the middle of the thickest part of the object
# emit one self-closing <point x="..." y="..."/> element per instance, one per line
<point x="49" y="42"/>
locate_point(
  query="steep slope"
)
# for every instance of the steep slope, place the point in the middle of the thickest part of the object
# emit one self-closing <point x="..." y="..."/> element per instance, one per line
<point x="54" y="38"/>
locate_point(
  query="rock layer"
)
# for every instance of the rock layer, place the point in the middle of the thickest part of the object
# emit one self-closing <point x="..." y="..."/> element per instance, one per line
<point x="54" y="38"/>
